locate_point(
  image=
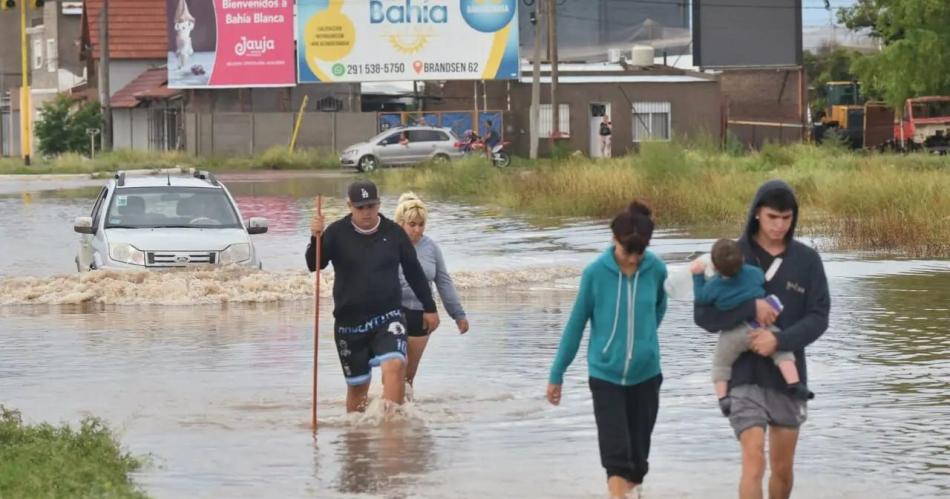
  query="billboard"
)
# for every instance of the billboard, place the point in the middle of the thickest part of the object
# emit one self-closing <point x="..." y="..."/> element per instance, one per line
<point x="588" y="29"/>
<point x="747" y="33"/>
<point x="391" y="40"/>
<point x="230" y="43"/>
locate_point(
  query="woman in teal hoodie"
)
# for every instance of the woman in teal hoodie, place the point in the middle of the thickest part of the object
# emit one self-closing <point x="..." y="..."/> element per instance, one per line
<point x="622" y="296"/>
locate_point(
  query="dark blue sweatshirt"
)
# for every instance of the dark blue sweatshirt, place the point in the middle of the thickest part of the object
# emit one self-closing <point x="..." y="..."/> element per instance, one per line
<point x="801" y="286"/>
<point x="366" y="268"/>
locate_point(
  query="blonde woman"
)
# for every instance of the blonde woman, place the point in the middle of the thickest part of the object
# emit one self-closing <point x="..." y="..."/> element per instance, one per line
<point x="412" y="215"/>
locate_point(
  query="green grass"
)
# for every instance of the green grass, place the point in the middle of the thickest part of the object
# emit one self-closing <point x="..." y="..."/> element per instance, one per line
<point x="47" y="461"/>
<point x="275" y="158"/>
<point x="883" y="203"/>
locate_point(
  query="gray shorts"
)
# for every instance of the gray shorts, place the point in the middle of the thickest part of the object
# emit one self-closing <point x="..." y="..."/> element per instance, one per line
<point x="754" y="405"/>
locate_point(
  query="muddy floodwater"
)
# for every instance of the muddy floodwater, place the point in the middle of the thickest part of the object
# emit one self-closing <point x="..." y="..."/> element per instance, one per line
<point x="207" y="374"/>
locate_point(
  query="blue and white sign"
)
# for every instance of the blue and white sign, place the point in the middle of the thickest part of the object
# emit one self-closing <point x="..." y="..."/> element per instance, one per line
<point x="394" y="40"/>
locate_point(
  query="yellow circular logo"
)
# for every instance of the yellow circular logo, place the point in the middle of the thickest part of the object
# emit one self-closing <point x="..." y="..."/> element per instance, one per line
<point x="329" y="35"/>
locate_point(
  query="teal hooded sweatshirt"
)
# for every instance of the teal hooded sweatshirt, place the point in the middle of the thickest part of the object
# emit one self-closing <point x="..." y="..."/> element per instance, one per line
<point x="624" y="314"/>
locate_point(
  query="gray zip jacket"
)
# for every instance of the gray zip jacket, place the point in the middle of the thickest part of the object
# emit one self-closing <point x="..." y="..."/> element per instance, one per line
<point x="433" y="265"/>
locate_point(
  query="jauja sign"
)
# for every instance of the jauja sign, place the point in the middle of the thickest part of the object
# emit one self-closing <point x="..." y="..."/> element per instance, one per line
<point x="230" y="43"/>
<point x="379" y="40"/>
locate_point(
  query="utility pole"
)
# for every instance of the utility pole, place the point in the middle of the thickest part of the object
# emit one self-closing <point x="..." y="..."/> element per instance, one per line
<point x="537" y="19"/>
<point x="26" y="107"/>
<point x="104" y="62"/>
<point x="552" y="55"/>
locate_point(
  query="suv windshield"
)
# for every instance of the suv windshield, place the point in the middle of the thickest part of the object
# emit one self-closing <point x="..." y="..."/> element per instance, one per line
<point x="157" y="207"/>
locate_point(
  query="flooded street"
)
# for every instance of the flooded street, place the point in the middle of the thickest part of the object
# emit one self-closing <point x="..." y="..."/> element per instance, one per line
<point x="216" y="392"/>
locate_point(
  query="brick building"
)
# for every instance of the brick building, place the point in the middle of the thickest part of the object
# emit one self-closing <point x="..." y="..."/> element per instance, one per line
<point x="650" y="103"/>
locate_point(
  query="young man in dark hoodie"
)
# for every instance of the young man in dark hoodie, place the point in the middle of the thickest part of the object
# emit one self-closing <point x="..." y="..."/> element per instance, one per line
<point x="795" y="274"/>
<point x="367" y="249"/>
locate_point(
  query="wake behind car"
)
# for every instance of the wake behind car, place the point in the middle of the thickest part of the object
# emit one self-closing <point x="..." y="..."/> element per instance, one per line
<point x="155" y="222"/>
<point x="402" y="146"/>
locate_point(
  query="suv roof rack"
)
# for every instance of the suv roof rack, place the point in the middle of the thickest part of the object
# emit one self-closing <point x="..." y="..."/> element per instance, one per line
<point x="120" y="178"/>
<point x="206" y="175"/>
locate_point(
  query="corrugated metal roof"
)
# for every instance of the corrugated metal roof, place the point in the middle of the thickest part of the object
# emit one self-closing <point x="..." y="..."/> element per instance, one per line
<point x="387" y="88"/>
<point x="527" y="67"/>
<point x="621" y="79"/>
<point x="137" y="29"/>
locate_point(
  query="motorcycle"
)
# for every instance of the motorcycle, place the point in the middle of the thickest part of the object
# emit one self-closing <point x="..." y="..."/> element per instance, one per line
<point x="473" y="144"/>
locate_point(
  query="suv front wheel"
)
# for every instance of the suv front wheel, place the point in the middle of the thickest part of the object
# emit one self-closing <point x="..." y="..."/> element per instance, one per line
<point x="367" y="163"/>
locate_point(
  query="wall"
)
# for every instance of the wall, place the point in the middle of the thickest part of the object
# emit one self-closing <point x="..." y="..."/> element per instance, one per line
<point x="123" y="71"/>
<point x="765" y="105"/>
<point x="10" y="45"/>
<point x="695" y="108"/>
<point x="236" y="133"/>
<point x="130" y="129"/>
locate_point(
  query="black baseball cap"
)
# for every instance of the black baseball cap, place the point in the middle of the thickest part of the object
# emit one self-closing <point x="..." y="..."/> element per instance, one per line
<point x="362" y="193"/>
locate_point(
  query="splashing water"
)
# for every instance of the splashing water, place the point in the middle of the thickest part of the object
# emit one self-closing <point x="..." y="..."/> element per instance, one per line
<point x="212" y="286"/>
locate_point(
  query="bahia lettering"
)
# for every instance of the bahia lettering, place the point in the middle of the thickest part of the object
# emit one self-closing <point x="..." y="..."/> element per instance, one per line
<point x="254" y="47"/>
<point x="408" y="12"/>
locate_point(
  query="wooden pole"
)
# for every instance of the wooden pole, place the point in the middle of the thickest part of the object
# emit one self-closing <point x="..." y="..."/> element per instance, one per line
<point x="105" y="92"/>
<point x="536" y="78"/>
<point x="318" y="202"/>
<point x="552" y="54"/>
<point x="26" y="105"/>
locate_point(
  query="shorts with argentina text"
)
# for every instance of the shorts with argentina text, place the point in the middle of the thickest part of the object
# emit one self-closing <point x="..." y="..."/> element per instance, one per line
<point x="367" y="344"/>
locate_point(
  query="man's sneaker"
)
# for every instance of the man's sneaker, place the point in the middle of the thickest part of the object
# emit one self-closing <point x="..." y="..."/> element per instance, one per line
<point x="725" y="405"/>
<point x="800" y="391"/>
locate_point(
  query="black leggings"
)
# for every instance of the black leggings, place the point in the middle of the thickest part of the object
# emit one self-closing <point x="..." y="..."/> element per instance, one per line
<point x="415" y="326"/>
<point x="625" y="417"/>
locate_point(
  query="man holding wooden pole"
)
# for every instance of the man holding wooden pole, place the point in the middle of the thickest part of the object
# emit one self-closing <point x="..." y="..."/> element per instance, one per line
<point x="367" y="250"/>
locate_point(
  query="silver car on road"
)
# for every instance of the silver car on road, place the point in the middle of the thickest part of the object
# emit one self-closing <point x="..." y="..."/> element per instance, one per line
<point x="402" y="146"/>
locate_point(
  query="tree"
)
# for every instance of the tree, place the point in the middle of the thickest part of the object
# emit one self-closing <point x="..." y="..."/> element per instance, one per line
<point x="915" y="60"/>
<point x="63" y="123"/>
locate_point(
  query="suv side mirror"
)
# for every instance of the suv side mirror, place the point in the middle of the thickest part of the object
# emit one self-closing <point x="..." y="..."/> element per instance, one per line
<point x="256" y="225"/>
<point x="83" y="225"/>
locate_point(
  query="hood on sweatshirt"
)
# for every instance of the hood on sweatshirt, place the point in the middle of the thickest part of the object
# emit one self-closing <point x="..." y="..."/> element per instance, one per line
<point x="769" y="187"/>
<point x="624" y="314"/>
<point x="647" y="261"/>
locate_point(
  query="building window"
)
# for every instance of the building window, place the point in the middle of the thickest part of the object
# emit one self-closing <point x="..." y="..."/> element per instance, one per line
<point x="329" y="104"/>
<point x="651" y="121"/>
<point x="52" y="56"/>
<point x="37" y="54"/>
<point x="545" y="120"/>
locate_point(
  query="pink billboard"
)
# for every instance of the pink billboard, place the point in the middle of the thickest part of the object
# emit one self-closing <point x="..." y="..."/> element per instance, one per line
<point x="230" y="43"/>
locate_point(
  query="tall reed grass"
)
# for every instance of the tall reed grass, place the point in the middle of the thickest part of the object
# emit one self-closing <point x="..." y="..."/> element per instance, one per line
<point x="275" y="158"/>
<point x="882" y="203"/>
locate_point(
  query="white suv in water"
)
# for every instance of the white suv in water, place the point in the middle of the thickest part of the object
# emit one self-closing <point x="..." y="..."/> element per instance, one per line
<point x="156" y="222"/>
